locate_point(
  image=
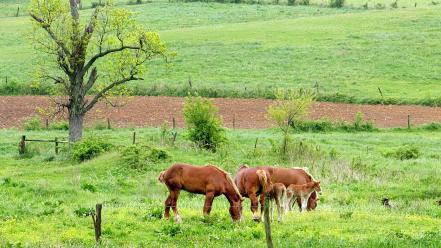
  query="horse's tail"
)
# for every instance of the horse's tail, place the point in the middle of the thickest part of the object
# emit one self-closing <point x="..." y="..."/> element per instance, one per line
<point x="161" y="176"/>
<point x="263" y="179"/>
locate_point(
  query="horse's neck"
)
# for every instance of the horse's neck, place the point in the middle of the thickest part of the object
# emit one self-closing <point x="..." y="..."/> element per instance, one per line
<point x="231" y="194"/>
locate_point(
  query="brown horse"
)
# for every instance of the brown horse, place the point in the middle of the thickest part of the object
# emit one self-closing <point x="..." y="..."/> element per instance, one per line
<point x="208" y="180"/>
<point x="289" y="176"/>
<point x="251" y="183"/>
<point x="302" y="192"/>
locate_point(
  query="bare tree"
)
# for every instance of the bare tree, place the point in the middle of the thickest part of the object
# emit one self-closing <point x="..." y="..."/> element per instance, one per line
<point x="93" y="58"/>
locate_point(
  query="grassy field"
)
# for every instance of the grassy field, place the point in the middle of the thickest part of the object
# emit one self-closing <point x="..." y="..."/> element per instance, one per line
<point x="41" y="192"/>
<point x="244" y="50"/>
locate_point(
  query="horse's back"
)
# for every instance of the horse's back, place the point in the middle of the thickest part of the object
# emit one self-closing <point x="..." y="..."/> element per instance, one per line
<point x="194" y="179"/>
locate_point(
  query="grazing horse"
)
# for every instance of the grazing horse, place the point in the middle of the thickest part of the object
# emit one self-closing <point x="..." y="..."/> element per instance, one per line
<point x="289" y="176"/>
<point x="278" y="195"/>
<point x="251" y="183"/>
<point x="302" y="192"/>
<point x="209" y="180"/>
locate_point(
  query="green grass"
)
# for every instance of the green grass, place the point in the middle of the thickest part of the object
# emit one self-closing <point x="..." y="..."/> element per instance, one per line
<point x="243" y="50"/>
<point x="40" y="193"/>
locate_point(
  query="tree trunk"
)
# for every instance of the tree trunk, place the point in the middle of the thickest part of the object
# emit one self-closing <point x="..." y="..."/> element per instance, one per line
<point x="75" y="126"/>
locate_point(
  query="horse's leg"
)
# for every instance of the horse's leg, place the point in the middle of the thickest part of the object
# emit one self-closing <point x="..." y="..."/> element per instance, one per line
<point x="262" y="203"/>
<point x="174" y="196"/>
<point x="304" y="203"/>
<point x="168" y="203"/>
<point x="279" y="216"/>
<point x="254" y="206"/>
<point x="209" y="196"/>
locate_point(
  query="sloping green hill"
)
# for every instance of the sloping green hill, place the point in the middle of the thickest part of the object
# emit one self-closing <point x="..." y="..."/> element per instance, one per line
<point x="248" y="50"/>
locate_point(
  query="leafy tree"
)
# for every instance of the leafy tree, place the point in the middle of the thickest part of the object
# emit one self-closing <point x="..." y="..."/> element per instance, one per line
<point x="95" y="57"/>
<point x="289" y="107"/>
<point x="203" y="123"/>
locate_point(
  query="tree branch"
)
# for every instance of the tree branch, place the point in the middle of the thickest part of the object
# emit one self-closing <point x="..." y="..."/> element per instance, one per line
<point x="102" y="54"/>
<point x="54" y="37"/>
<point x="92" y="79"/>
<point x="106" y="89"/>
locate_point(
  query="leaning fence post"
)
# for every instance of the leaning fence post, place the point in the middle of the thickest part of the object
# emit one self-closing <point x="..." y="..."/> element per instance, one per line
<point x="22" y="145"/>
<point x="56" y="145"/>
<point x="134" y="138"/>
<point x="269" y="239"/>
<point x="408" y="121"/>
<point x="97" y="222"/>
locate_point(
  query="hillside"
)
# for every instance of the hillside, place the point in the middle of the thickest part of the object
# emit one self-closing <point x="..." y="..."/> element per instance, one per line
<point x="244" y="50"/>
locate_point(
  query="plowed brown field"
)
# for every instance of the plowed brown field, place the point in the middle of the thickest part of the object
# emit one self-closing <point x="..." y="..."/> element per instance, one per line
<point x="245" y="113"/>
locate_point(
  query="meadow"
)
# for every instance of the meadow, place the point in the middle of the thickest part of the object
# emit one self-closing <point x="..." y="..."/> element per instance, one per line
<point x="41" y="192"/>
<point x="247" y="50"/>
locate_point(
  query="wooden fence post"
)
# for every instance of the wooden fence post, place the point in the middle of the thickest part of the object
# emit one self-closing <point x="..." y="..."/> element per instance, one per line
<point x="267" y="222"/>
<point x="174" y="122"/>
<point x="408" y="121"/>
<point x="18" y="12"/>
<point x="22" y="145"/>
<point x="108" y="124"/>
<point x="47" y="123"/>
<point x="56" y="145"/>
<point x="234" y="121"/>
<point x="97" y="222"/>
<point x="134" y="138"/>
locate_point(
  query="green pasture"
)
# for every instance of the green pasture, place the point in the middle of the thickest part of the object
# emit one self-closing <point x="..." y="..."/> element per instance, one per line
<point x="248" y="50"/>
<point x="40" y="192"/>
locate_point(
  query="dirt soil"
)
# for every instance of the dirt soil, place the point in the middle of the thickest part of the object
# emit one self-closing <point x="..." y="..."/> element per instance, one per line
<point x="143" y="111"/>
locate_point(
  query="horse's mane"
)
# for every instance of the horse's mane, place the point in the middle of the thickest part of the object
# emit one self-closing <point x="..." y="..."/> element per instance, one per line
<point x="229" y="179"/>
<point x="306" y="170"/>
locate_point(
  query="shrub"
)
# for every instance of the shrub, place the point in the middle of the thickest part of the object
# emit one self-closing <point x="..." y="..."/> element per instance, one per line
<point x="404" y="153"/>
<point x="394" y="5"/>
<point x="33" y="123"/>
<point x="88" y="187"/>
<point x="89" y="148"/>
<point x="291" y="2"/>
<point x="139" y="156"/>
<point x="304" y="2"/>
<point x="337" y="3"/>
<point x="203" y="122"/>
<point x="59" y="125"/>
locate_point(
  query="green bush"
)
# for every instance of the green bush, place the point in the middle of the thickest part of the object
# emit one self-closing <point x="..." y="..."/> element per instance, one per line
<point x="203" y="123"/>
<point x="88" y="148"/>
<point x="403" y="153"/>
<point x="33" y="123"/>
<point x="337" y="3"/>
<point x="139" y="156"/>
<point x="59" y="125"/>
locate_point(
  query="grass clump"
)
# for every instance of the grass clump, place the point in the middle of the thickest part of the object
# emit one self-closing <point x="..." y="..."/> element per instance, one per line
<point x="337" y="3"/>
<point x="88" y="148"/>
<point x="404" y="153"/>
<point x="140" y="156"/>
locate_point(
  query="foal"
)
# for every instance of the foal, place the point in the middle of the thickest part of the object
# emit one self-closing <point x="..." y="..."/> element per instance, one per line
<point x="278" y="195"/>
<point x="303" y="192"/>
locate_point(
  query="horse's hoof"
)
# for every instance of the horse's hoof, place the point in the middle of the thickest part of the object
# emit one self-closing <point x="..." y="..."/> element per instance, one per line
<point x="178" y="219"/>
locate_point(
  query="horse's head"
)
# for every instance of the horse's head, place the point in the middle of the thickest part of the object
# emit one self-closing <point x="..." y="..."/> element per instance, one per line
<point x="317" y="187"/>
<point x="236" y="209"/>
